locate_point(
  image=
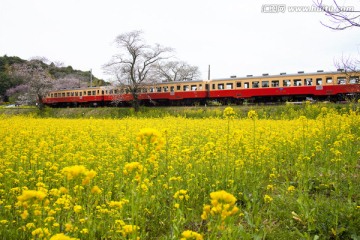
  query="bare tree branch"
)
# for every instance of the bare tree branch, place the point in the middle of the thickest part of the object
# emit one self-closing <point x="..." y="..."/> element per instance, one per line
<point x="341" y="18"/>
<point x="177" y="71"/>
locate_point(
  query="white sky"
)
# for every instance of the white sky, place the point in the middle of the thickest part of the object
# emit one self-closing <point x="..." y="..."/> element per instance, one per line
<point x="234" y="37"/>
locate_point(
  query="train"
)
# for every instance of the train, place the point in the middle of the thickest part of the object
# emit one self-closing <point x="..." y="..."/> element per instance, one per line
<point x="327" y="86"/>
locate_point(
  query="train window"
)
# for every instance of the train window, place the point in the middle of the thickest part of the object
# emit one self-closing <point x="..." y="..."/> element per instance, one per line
<point x="89" y="93"/>
<point x="84" y="93"/>
<point x="151" y="89"/>
<point x="319" y="81"/>
<point x="51" y="94"/>
<point x="246" y="85"/>
<point x="220" y="86"/>
<point x="72" y="94"/>
<point x="265" y="84"/>
<point x="354" y="80"/>
<point x="76" y="94"/>
<point x="55" y="94"/>
<point x="158" y="89"/>
<point x="297" y="82"/>
<point x="172" y="88"/>
<point x="63" y="94"/>
<point x="229" y="86"/>
<point x="329" y="80"/>
<point x="200" y="86"/>
<point x="308" y="82"/>
<point x="341" y="80"/>
<point x="80" y="94"/>
<point x="213" y="86"/>
<point x="178" y="87"/>
<point x="68" y="94"/>
<point x="144" y="90"/>
<point x="193" y="87"/>
<point x="102" y="92"/>
<point x="275" y="83"/>
<point x="287" y="83"/>
<point x="255" y="84"/>
<point x="166" y="89"/>
<point x="238" y="84"/>
<point x="186" y="87"/>
<point x="93" y="93"/>
<point x="98" y="92"/>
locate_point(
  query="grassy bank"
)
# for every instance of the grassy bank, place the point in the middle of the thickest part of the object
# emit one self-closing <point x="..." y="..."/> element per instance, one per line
<point x="288" y="111"/>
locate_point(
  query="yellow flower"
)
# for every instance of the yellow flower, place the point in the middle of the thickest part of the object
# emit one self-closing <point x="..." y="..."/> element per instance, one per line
<point x="96" y="190"/>
<point x="133" y="167"/>
<point x="61" y="236"/>
<point x="40" y="232"/>
<point x="252" y="114"/>
<point x="229" y="112"/>
<point x="291" y="189"/>
<point x="129" y="229"/>
<point x="181" y="195"/>
<point x="191" y="235"/>
<point x="31" y="194"/>
<point x="150" y="136"/>
<point x="25" y="214"/>
<point x="77" y="208"/>
<point x="73" y="171"/>
<point x="222" y="204"/>
<point x="267" y="199"/>
<point x="118" y="204"/>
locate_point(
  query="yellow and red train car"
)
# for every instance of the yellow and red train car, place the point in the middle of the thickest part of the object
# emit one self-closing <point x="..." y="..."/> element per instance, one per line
<point x="320" y="85"/>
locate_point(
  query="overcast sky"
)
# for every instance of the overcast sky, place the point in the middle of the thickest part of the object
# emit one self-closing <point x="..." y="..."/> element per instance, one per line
<point x="234" y="37"/>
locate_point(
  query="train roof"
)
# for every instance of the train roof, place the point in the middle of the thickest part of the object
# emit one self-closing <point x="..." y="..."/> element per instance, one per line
<point x="283" y="74"/>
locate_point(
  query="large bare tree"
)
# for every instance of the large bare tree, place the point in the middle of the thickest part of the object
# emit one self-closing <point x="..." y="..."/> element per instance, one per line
<point x="136" y="63"/>
<point x="37" y="82"/>
<point x="177" y="71"/>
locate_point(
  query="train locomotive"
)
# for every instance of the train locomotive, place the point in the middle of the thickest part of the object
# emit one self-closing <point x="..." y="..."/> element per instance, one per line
<point x="331" y="86"/>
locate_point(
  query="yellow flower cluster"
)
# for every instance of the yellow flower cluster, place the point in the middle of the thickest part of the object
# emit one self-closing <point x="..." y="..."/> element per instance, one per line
<point x="133" y="167"/>
<point x="79" y="170"/>
<point x="127" y="230"/>
<point x="150" y="136"/>
<point x="222" y="204"/>
<point x="61" y="236"/>
<point x="229" y="113"/>
<point x="31" y="194"/>
<point x="181" y="195"/>
<point x="267" y="199"/>
<point x="191" y="235"/>
<point x="252" y="114"/>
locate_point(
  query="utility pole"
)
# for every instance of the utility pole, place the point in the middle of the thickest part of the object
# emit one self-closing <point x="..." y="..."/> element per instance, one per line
<point x="90" y="77"/>
<point x="209" y="73"/>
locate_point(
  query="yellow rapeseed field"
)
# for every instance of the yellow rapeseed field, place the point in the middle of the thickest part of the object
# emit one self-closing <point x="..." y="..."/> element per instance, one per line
<point x="177" y="178"/>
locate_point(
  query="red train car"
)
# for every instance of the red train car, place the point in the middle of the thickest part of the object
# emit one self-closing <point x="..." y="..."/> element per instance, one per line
<point x="283" y="87"/>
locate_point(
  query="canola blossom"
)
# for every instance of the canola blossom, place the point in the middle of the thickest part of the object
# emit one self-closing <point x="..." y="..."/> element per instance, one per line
<point x="177" y="178"/>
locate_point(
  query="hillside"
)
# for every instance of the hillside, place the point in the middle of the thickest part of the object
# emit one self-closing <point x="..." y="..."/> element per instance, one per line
<point x="63" y="76"/>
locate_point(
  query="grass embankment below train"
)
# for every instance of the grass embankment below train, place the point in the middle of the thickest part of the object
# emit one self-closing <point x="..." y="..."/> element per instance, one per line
<point x="286" y="111"/>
